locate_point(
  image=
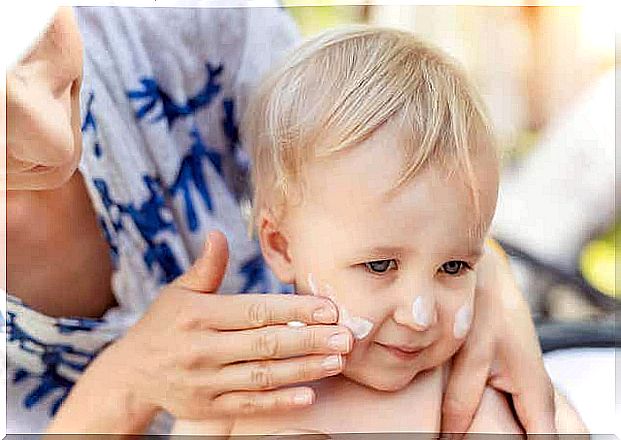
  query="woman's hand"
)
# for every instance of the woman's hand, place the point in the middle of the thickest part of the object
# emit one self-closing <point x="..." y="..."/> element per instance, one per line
<point x="502" y="350"/>
<point x="201" y="355"/>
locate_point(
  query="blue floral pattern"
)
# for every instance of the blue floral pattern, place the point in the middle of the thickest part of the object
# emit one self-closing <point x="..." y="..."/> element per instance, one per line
<point x="58" y="362"/>
<point x="160" y="146"/>
<point x="171" y="111"/>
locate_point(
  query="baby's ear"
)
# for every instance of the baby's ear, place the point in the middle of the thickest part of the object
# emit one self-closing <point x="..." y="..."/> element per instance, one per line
<point x="275" y="247"/>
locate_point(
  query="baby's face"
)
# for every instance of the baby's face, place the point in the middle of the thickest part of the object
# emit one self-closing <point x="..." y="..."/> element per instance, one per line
<point x="404" y="262"/>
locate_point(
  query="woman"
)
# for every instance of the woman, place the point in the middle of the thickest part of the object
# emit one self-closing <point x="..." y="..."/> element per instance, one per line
<point x="107" y="213"/>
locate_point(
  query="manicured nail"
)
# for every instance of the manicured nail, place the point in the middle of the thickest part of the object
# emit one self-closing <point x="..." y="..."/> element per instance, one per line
<point x="326" y="315"/>
<point x="339" y="342"/>
<point x="332" y="363"/>
<point x="303" y="398"/>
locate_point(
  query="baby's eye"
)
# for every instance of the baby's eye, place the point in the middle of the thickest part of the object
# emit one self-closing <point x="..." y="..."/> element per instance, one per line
<point x="454" y="267"/>
<point x="381" y="266"/>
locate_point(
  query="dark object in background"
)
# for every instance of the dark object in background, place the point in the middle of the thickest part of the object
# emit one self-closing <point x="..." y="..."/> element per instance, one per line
<point x="557" y="275"/>
<point x="565" y="335"/>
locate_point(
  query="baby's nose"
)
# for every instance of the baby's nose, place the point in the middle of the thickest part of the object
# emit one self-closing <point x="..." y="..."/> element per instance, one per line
<point x="420" y="314"/>
<point x="424" y="313"/>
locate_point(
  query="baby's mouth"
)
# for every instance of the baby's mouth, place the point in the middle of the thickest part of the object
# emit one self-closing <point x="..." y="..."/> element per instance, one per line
<point x="402" y="351"/>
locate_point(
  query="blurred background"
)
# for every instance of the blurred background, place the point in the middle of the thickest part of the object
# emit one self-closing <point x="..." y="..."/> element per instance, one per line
<point x="547" y="75"/>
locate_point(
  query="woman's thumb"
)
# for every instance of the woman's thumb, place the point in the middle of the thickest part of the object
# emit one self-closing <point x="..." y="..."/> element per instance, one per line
<point x="206" y="274"/>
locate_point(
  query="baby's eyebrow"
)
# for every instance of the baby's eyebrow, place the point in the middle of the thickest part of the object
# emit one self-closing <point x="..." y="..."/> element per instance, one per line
<point x="473" y="252"/>
<point x="383" y="251"/>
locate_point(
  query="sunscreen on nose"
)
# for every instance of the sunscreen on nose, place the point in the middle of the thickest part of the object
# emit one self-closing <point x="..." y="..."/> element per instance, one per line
<point x="463" y="319"/>
<point x="360" y="327"/>
<point x="422" y="311"/>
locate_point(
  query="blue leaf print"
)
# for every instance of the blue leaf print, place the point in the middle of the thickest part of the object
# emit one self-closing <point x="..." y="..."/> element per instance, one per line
<point x="171" y="111"/>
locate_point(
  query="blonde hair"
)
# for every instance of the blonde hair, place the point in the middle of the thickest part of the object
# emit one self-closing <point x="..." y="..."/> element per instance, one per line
<point x="341" y="86"/>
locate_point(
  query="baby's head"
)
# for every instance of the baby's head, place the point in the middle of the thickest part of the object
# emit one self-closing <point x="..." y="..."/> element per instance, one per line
<point x="376" y="174"/>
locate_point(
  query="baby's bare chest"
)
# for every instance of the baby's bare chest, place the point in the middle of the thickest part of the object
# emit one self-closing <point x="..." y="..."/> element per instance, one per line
<point x="354" y="409"/>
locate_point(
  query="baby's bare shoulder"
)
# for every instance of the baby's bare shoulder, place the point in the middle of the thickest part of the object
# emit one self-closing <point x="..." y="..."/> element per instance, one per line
<point x="495" y="414"/>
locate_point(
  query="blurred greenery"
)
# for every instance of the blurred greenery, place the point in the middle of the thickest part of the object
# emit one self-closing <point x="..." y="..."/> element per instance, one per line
<point x="313" y="19"/>
<point x="598" y="262"/>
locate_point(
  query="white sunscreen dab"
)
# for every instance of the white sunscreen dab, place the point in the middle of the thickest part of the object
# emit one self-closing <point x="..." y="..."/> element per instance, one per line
<point x="463" y="319"/>
<point x="421" y="311"/>
<point x="360" y="327"/>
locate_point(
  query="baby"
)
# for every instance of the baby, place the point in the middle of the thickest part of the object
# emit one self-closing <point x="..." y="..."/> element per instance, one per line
<point x="376" y="179"/>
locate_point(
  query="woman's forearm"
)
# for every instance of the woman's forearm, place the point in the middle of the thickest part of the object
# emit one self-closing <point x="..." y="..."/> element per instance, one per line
<point x="100" y="404"/>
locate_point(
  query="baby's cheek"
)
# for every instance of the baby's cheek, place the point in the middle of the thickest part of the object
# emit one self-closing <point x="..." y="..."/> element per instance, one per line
<point x="456" y="311"/>
<point x="450" y="319"/>
<point x="463" y="320"/>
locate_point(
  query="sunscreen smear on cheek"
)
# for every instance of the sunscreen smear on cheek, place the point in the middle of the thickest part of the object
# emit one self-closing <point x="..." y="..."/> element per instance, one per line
<point x="359" y="326"/>
<point x="463" y="320"/>
<point x="310" y="279"/>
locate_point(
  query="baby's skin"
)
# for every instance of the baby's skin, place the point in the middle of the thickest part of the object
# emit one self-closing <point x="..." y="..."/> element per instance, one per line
<point x="403" y="262"/>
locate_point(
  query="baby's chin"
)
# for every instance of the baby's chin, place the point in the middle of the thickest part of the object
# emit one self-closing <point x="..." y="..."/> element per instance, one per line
<point x="379" y="380"/>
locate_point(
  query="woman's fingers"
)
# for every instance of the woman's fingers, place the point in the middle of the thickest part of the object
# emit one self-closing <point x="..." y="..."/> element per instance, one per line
<point x="466" y="384"/>
<point x="206" y="273"/>
<point x="280" y="342"/>
<point x="244" y="402"/>
<point x="522" y="373"/>
<point x="270" y="374"/>
<point x="470" y="369"/>
<point x="241" y="312"/>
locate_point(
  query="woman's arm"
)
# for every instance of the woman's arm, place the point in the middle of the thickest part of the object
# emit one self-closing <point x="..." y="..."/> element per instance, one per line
<point x="503" y="335"/>
<point x="103" y="401"/>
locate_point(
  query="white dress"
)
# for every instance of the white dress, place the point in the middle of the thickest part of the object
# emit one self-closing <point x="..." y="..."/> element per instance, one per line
<point x="162" y="95"/>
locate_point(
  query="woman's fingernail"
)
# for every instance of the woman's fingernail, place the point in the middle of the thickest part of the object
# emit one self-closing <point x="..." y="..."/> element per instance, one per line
<point x="326" y="315"/>
<point x="303" y="398"/>
<point x="339" y="342"/>
<point x="331" y="364"/>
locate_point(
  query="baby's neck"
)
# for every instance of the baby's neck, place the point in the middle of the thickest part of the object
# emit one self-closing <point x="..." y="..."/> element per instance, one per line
<point x="346" y="387"/>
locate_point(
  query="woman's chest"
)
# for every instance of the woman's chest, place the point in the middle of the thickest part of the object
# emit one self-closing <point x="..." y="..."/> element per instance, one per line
<point x="57" y="259"/>
<point x="355" y="409"/>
